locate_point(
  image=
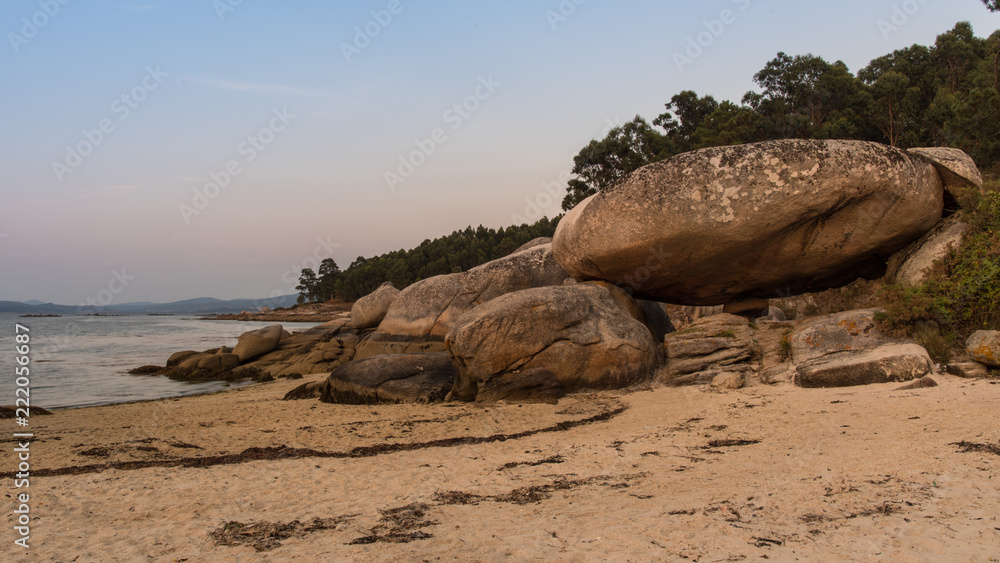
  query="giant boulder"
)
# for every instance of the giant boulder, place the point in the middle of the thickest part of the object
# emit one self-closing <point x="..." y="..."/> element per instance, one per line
<point x="423" y="313"/>
<point x="723" y="224"/>
<point x="552" y="339"/>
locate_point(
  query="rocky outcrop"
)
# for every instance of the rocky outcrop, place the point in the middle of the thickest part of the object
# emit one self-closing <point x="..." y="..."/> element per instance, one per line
<point x="320" y="349"/>
<point x="369" y="311"/>
<point x="729" y="223"/>
<point x="545" y="341"/>
<point x="177" y="357"/>
<point x="897" y="362"/>
<point x="984" y="347"/>
<point x="423" y="313"/>
<point x="398" y="378"/>
<point x="850" y="330"/>
<point x="710" y="346"/>
<point x="258" y="342"/>
<point x="910" y="266"/>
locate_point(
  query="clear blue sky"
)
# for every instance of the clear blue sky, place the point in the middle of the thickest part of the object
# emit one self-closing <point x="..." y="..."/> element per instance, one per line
<point x="181" y="88"/>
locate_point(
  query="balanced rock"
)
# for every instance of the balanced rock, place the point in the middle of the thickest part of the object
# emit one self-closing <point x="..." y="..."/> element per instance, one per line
<point x="897" y="362"/>
<point x="369" y="311"/>
<point x="258" y="342"/>
<point x="410" y="378"/>
<point x="587" y="335"/>
<point x="776" y="218"/>
<point x="954" y="165"/>
<point x="423" y="313"/>
<point x="984" y="347"/>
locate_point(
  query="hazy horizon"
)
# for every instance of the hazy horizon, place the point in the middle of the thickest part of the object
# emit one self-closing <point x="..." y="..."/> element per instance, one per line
<point x="122" y="114"/>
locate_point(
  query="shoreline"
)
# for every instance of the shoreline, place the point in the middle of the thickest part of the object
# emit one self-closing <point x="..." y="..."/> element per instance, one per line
<point x="863" y="474"/>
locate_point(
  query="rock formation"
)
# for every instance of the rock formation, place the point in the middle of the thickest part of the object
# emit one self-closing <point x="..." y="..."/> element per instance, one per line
<point x="564" y="337"/>
<point x="369" y="311"/>
<point x="423" y="313"/>
<point x="729" y="223"/>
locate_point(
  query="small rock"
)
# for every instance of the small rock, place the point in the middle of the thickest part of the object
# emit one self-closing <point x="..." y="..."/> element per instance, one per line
<point x="984" y="347"/>
<point x="922" y="383"/>
<point x="783" y="373"/>
<point x="728" y="380"/>
<point x="969" y="370"/>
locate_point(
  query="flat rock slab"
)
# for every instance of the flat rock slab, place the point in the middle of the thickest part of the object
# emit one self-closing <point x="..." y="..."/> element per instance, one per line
<point x="723" y="224"/>
<point x="900" y="362"/>
<point x="839" y="332"/>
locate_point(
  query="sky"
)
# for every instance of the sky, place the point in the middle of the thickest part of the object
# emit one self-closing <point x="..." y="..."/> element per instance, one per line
<point x="166" y="150"/>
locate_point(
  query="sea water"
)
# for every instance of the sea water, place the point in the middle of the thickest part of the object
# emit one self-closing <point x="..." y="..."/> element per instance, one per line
<point x="78" y="361"/>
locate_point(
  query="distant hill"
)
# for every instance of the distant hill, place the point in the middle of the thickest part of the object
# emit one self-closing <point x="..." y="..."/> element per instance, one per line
<point x="201" y="305"/>
<point x="42" y="309"/>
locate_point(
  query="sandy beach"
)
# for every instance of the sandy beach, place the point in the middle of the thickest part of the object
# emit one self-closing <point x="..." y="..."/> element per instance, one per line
<point x="782" y="473"/>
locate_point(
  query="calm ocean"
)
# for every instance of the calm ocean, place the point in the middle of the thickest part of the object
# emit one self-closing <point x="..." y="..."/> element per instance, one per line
<point x="82" y="361"/>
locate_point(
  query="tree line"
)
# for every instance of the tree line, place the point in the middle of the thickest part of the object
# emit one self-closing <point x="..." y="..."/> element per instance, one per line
<point x="460" y="251"/>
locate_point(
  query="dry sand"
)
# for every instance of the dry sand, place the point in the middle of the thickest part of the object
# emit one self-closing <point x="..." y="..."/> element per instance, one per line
<point x="857" y="474"/>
